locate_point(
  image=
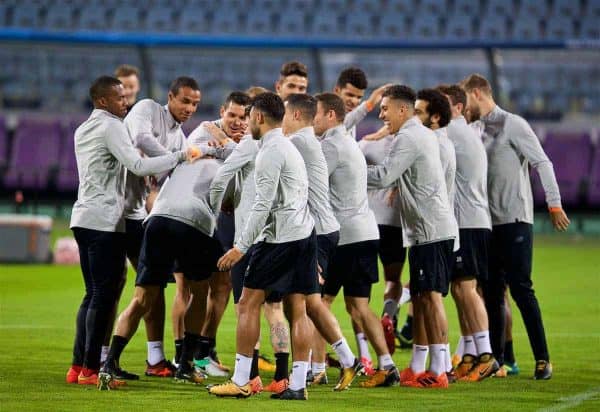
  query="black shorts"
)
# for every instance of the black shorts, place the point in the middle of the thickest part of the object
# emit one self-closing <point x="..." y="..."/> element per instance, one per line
<point x="326" y="245"/>
<point x="134" y="234"/>
<point x="430" y="266"/>
<point x="471" y="260"/>
<point x="225" y="231"/>
<point x="237" y="280"/>
<point x="391" y="249"/>
<point x="285" y="268"/>
<point x="353" y="267"/>
<point x="172" y="246"/>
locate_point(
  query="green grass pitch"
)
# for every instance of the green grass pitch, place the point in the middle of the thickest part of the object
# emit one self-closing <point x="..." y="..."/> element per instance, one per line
<point x="37" y="314"/>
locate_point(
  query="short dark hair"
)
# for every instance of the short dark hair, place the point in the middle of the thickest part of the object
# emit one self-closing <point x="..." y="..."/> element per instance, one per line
<point x="102" y="86"/>
<point x="401" y="92"/>
<point x="331" y="101"/>
<point x="270" y="105"/>
<point x="183" y="81"/>
<point x="476" y="81"/>
<point x="125" y="70"/>
<point x="303" y="102"/>
<point x="353" y="75"/>
<point x="455" y="92"/>
<point x="293" y="68"/>
<point x="237" y="97"/>
<point x="437" y="104"/>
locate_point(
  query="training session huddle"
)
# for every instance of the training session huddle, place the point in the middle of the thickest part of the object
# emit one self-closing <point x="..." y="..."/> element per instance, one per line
<point x="279" y="202"/>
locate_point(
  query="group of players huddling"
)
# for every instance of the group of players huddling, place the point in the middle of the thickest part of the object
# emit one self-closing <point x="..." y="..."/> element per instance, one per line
<point x="277" y="201"/>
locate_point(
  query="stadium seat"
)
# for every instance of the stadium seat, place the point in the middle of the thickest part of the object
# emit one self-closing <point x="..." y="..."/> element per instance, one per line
<point x="534" y="9"/>
<point x="3" y="144"/>
<point x="393" y="26"/>
<point x="67" y="179"/>
<point x="592" y="9"/>
<point x="34" y="154"/>
<point x="126" y="19"/>
<point x="359" y="26"/>
<point x="559" y="28"/>
<point x="590" y="29"/>
<point x="493" y="27"/>
<point x="326" y="24"/>
<point x="467" y="7"/>
<point x="526" y="29"/>
<point x="425" y="28"/>
<point x="369" y="6"/>
<point x="26" y="17"/>
<point x="291" y="23"/>
<point x="3" y="15"/>
<point x="593" y="197"/>
<point x="259" y="23"/>
<point x="299" y="5"/>
<point x="92" y="18"/>
<point x="459" y="27"/>
<point x="60" y="19"/>
<point x="226" y="23"/>
<point x="566" y="8"/>
<point x="160" y="19"/>
<point x="433" y="7"/>
<point x="401" y="7"/>
<point x="194" y="21"/>
<point x="264" y="6"/>
<point x="499" y="8"/>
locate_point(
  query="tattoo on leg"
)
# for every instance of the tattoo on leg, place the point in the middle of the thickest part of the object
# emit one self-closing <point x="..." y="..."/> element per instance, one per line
<point x="280" y="336"/>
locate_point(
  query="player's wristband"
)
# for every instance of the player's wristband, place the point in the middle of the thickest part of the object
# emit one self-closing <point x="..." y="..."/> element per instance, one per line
<point x="369" y="106"/>
<point x="554" y="209"/>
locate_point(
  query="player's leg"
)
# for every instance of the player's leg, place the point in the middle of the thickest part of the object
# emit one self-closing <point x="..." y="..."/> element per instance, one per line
<point x="280" y="341"/>
<point x="181" y="302"/>
<point x="510" y="363"/>
<point x="521" y="289"/>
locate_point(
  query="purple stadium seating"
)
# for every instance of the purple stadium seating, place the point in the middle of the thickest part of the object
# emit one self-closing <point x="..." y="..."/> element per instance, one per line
<point x="34" y="154"/>
<point x="594" y="186"/>
<point x="67" y="179"/>
<point x="571" y="154"/>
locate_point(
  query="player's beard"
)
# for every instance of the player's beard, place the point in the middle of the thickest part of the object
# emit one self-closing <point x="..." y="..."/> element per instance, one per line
<point x="472" y="114"/>
<point x="255" y="131"/>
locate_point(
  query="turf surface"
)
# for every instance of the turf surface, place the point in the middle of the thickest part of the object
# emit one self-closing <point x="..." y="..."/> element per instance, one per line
<point x="37" y="312"/>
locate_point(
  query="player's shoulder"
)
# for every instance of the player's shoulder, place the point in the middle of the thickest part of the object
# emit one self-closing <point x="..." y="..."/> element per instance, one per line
<point x="145" y="106"/>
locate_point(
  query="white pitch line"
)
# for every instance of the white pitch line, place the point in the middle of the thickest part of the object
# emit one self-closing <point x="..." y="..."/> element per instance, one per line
<point x="572" y="401"/>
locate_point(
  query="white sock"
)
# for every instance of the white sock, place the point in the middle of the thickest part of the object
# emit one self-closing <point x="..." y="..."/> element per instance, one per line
<point x="482" y="342"/>
<point x="448" y="359"/>
<point x="405" y="296"/>
<point x="418" y="361"/>
<point x="386" y="362"/>
<point x="363" y="346"/>
<point x="460" y="347"/>
<point x="318" y="367"/>
<point x="437" y="358"/>
<point x="241" y="373"/>
<point x="298" y="375"/>
<point x="155" y="352"/>
<point x="470" y="348"/>
<point x="104" y="353"/>
<point x="344" y="352"/>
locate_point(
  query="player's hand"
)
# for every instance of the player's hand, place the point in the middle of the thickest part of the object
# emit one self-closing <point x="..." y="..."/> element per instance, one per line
<point x="193" y="153"/>
<point x="376" y="95"/>
<point x="559" y="219"/>
<point x="219" y="136"/>
<point x="229" y="259"/>
<point x="391" y="195"/>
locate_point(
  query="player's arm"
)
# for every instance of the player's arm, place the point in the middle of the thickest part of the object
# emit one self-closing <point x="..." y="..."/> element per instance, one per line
<point x="378" y="135"/>
<point x="331" y="155"/>
<point x="239" y="157"/>
<point x="526" y="142"/>
<point x="119" y="144"/>
<point x="402" y="154"/>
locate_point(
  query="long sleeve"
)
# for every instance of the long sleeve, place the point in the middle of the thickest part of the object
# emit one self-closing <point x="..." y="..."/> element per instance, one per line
<point x="355" y="116"/>
<point x="527" y="143"/>
<point x="268" y="169"/>
<point x="401" y="156"/>
<point x="149" y="145"/>
<point x="235" y="162"/>
<point x="120" y="146"/>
